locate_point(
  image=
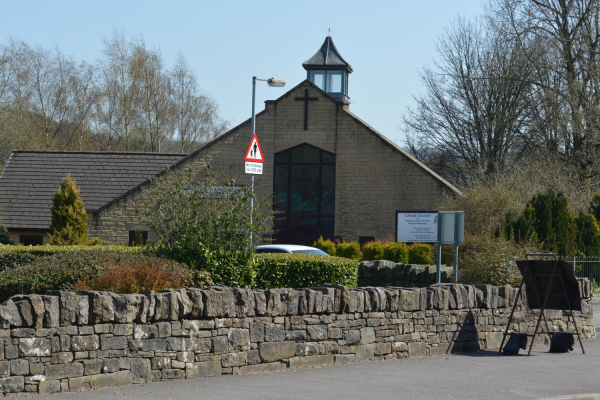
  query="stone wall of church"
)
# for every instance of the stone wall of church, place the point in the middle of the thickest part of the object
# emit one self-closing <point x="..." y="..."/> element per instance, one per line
<point x="65" y="341"/>
<point x="373" y="180"/>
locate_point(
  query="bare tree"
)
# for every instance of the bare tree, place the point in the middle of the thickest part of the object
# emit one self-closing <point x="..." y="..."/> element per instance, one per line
<point x="474" y="113"/>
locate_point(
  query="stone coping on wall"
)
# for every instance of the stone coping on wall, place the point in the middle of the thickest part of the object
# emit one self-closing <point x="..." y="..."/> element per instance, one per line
<point x="389" y="273"/>
<point x="65" y="341"/>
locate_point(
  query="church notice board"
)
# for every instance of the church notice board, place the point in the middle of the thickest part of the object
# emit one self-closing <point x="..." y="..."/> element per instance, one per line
<point x="537" y="281"/>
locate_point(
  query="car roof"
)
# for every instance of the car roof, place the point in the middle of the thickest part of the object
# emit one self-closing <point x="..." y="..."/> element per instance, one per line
<point x="290" y="247"/>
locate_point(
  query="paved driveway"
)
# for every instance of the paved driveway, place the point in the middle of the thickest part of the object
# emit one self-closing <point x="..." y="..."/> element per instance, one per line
<point x="476" y="376"/>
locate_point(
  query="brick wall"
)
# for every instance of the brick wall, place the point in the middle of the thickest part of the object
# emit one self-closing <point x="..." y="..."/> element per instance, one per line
<point x="65" y="341"/>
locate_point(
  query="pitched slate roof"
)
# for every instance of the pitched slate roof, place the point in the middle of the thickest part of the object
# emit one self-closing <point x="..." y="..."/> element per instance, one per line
<point x="30" y="179"/>
<point x="327" y="56"/>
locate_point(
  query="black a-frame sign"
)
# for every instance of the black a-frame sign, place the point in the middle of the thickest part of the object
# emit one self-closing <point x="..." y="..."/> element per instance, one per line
<point x="550" y="285"/>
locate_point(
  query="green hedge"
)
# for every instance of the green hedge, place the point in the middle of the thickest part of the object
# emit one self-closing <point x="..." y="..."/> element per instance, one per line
<point x="396" y="252"/>
<point x="373" y="251"/>
<point x="420" y="253"/>
<point x="349" y="250"/>
<point x="302" y="270"/>
<point x="16" y="256"/>
<point x="61" y="270"/>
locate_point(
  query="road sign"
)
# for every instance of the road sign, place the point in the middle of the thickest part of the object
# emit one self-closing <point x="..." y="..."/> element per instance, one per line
<point x="254" y="153"/>
<point x="254" y="168"/>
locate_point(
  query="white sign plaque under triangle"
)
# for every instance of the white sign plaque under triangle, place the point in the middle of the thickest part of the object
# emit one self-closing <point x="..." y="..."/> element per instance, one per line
<point x="254" y="157"/>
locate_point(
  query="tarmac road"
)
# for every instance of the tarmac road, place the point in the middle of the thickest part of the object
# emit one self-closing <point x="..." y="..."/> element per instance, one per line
<point x="483" y="375"/>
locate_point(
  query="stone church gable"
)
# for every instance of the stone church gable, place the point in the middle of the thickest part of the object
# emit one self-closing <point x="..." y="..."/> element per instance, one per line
<point x="374" y="178"/>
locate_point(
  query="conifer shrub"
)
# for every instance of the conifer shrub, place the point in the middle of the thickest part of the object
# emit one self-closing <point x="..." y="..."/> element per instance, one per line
<point x="302" y="270"/>
<point x="373" y="251"/>
<point x="420" y="253"/>
<point x="396" y="252"/>
<point x="4" y="237"/>
<point x="326" y="245"/>
<point x="349" y="250"/>
<point x="588" y="235"/>
<point x="95" y="241"/>
<point x="69" y="218"/>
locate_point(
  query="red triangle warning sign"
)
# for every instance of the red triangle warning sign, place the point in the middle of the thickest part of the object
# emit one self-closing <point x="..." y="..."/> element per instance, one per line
<point x="254" y="153"/>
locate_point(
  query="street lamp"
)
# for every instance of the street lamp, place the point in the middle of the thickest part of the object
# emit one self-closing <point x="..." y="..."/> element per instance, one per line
<point x="273" y="82"/>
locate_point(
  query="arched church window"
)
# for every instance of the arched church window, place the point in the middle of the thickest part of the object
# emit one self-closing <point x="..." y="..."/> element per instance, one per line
<point x="304" y="194"/>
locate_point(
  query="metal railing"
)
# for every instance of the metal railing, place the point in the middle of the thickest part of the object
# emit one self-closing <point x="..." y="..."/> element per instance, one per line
<point x="585" y="267"/>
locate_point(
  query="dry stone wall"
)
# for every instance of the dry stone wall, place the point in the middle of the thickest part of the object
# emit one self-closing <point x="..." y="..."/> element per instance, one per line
<point x="65" y="341"/>
<point x="388" y="273"/>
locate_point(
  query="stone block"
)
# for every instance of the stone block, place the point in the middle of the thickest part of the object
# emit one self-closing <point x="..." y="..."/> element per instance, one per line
<point x="234" y="359"/>
<point x="258" y="368"/>
<point x="493" y="340"/>
<point x="79" y="383"/>
<point x="381" y="349"/>
<point x="274" y="351"/>
<point x="239" y="339"/>
<point x="365" y="352"/>
<point x="13" y="384"/>
<point x="48" y="387"/>
<point x="25" y="311"/>
<point x="33" y="347"/>
<point x="110" y="365"/>
<point x="257" y="332"/>
<point x="102" y="308"/>
<point x="367" y="335"/>
<point x="145" y="332"/>
<point x="173" y="374"/>
<point x="92" y="367"/>
<point x="203" y="369"/>
<point x="85" y="343"/>
<point x="120" y="378"/>
<point x="141" y="371"/>
<point x="113" y="343"/>
<point x="253" y="357"/>
<point x="61" y="357"/>
<point x="9" y="315"/>
<point x="4" y="368"/>
<point x="340" y="359"/>
<point x="154" y="345"/>
<point x="164" y="329"/>
<point x="123" y="329"/>
<point x="316" y="332"/>
<point x="195" y="296"/>
<point x="244" y="302"/>
<point x="311" y="361"/>
<point x="274" y="333"/>
<point x="61" y="371"/>
<point x="161" y="363"/>
<point x="218" y="302"/>
<point x="417" y="349"/>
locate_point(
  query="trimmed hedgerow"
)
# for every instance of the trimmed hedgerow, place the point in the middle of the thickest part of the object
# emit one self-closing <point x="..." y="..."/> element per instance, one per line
<point x="349" y="250"/>
<point x="373" y="251"/>
<point x="302" y="270"/>
<point x="396" y="252"/>
<point x="60" y="271"/>
<point x="420" y="253"/>
<point x="16" y="256"/>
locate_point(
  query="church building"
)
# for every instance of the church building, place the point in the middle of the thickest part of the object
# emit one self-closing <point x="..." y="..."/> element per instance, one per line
<point x="330" y="174"/>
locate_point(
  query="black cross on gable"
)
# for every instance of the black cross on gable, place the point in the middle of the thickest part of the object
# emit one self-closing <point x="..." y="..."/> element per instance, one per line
<point x="306" y="99"/>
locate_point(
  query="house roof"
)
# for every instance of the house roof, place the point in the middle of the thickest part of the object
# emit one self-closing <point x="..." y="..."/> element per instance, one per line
<point x="30" y="179"/>
<point x="327" y="57"/>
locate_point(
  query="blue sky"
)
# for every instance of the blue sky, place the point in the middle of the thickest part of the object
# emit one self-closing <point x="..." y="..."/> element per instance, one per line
<point x="227" y="42"/>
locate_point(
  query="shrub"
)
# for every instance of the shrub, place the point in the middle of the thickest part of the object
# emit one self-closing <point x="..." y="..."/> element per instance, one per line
<point x="15" y="256"/>
<point x="588" y="235"/>
<point x="326" y="245"/>
<point x="302" y="270"/>
<point x="69" y="218"/>
<point x="396" y="252"/>
<point x="4" y="238"/>
<point x="349" y="250"/>
<point x="61" y="270"/>
<point x="95" y="241"/>
<point x="485" y="260"/>
<point x="420" y="253"/>
<point x="203" y="220"/>
<point x="139" y="277"/>
<point x="373" y="251"/>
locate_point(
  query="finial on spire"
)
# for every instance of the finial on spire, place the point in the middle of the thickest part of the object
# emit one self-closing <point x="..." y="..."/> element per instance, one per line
<point x="328" y="31"/>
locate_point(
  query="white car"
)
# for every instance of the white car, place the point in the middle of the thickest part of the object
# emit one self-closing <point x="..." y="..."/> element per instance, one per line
<point x="289" y="248"/>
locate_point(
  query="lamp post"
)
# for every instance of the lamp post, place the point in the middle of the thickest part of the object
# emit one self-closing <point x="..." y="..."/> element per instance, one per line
<point x="273" y="82"/>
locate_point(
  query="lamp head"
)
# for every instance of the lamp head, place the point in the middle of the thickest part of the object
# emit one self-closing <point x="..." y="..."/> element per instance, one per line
<point x="274" y="82"/>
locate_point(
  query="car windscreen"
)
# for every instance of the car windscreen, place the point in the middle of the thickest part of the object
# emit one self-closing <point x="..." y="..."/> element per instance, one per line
<point x="271" y="251"/>
<point x="317" y="252"/>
